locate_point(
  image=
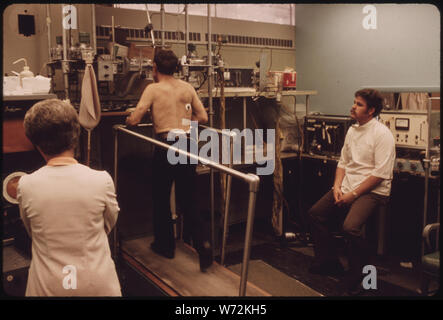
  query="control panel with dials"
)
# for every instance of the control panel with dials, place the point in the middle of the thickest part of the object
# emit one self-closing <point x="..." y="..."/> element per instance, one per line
<point x="411" y="129"/>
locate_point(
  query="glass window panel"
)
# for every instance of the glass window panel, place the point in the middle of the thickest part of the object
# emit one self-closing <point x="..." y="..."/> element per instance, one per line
<point x="262" y="12"/>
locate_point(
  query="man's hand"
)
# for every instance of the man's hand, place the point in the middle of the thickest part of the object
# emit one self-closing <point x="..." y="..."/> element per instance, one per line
<point x="346" y="198"/>
<point x="130" y="122"/>
<point x="337" y="193"/>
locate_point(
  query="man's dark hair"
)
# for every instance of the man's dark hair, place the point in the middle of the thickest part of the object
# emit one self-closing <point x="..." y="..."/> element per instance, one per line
<point x="373" y="99"/>
<point x="166" y="61"/>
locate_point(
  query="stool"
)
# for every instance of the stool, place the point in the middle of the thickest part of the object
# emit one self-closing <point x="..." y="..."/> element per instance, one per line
<point x="378" y="221"/>
<point x="430" y="262"/>
<point x="382" y="215"/>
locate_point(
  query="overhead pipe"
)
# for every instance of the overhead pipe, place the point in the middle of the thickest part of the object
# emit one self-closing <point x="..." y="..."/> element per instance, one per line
<point x="150" y="23"/>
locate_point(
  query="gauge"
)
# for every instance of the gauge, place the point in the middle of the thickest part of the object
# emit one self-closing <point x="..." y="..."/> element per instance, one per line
<point x="401" y="123"/>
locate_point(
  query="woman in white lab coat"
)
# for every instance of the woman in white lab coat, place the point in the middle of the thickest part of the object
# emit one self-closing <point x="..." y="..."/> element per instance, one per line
<point x="68" y="209"/>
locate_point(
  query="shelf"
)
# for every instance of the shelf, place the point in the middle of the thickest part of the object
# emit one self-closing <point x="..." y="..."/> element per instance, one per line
<point x="405" y="89"/>
<point x="30" y="97"/>
<point x="250" y="92"/>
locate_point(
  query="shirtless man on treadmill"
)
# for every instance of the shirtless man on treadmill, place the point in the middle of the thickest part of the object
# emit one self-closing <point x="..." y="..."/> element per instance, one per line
<point x="173" y="103"/>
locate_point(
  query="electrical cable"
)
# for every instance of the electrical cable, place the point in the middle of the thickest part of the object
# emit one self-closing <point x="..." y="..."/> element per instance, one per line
<point x="270" y="64"/>
<point x="201" y="85"/>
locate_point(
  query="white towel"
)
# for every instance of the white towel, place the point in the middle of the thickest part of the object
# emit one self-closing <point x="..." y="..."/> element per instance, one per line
<point x="414" y="100"/>
<point x="90" y="110"/>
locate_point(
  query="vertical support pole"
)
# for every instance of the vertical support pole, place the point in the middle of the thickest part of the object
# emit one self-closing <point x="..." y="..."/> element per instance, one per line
<point x="48" y="24"/>
<point x="211" y="124"/>
<point x="65" y="62"/>
<point x="307" y="104"/>
<point x="115" y="240"/>
<point x="162" y="18"/>
<point x="291" y="13"/>
<point x="437" y="238"/>
<point x="113" y="38"/>
<point x="249" y="226"/>
<point x="210" y="68"/>
<point x="227" y="204"/>
<point x="186" y="30"/>
<point x="94" y="31"/>
<point x="244" y="113"/>
<point x="426" y="164"/>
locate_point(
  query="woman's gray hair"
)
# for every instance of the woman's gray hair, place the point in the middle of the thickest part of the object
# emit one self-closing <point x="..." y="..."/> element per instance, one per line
<point x="53" y="126"/>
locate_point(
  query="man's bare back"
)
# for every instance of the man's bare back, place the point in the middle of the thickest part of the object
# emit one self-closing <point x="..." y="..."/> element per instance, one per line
<point x="170" y="101"/>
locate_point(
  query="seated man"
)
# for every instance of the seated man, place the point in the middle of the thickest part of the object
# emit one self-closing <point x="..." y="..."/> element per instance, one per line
<point x="362" y="183"/>
<point x="68" y="209"/>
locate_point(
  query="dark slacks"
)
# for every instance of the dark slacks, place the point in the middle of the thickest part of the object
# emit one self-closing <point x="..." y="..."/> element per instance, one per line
<point x="185" y="178"/>
<point x="324" y="212"/>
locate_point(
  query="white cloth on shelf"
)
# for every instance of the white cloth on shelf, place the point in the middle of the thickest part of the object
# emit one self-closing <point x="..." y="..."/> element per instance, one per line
<point x="414" y="100"/>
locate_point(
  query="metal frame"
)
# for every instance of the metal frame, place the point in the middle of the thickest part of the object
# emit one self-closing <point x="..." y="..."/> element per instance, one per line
<point x="232" y="135"/>
<point x="65" y="61"/>
<point x="426" y="160"/>
<point x="211" y="120"/>
<point x="426" y="165"/>
<point x="251" y="179"/>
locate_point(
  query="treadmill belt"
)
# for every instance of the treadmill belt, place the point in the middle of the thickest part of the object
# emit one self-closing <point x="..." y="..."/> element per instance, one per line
<point x="182" y="274"/>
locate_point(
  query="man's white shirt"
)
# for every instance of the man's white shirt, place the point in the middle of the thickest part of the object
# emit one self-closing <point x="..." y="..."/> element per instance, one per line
<point x="368" y="150"/>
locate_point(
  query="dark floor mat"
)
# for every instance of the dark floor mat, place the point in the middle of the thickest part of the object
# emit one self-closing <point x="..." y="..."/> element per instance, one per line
<point x="295" y="265"/>
<point x="277" y="283"/>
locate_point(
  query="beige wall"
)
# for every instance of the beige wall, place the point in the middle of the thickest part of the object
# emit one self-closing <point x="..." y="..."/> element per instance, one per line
<point x="17" y="46"/>
<point x="35" y="48"/>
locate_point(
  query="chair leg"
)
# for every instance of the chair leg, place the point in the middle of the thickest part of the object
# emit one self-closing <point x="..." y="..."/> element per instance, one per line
<point x="424" y="284"/>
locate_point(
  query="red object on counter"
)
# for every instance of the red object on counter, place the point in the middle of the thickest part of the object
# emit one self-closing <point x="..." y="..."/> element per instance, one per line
<point x="289" y="80"/>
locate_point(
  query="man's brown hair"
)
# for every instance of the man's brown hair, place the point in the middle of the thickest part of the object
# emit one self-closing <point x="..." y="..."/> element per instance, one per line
<point x="373" y="99"/>
<point x="166" y="61"/>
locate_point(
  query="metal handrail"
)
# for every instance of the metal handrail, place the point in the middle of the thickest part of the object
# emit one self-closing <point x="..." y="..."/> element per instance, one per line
<point x="252" y="180"/>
